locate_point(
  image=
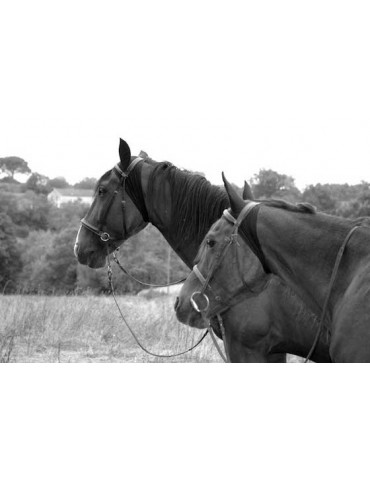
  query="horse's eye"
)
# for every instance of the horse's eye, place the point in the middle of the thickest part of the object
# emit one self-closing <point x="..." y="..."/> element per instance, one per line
<point x="211" y="243"/>
<point x="101" y="191"/>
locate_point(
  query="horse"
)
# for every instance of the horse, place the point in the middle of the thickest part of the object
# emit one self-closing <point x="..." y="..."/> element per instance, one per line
<point x="324" y="259"/>
<point x="183" y="206"/>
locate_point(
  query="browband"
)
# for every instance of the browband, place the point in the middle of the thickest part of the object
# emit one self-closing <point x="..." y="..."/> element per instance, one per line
<point x="131" y="166"/>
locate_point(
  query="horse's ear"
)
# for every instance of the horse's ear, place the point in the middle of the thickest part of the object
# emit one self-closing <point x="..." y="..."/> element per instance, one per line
<point x="143" y="154"/>
<point x="236" y="202"/>
<point x="247" y="192"/>
<point x="124" y="154"/>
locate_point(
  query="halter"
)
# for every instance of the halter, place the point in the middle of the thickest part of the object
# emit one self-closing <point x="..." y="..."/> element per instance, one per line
<point x="123" y="175"/>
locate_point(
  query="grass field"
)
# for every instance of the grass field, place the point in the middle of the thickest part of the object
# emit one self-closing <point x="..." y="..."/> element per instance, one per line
<point x="89" y="329"/>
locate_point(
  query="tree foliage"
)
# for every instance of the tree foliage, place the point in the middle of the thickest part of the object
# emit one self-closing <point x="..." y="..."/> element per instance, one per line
<point x="10" y="263"/>
<point x="88" y="183"/>
<point x="319" y="195"/>
<point x="57" y="182"/>
<point x="38" y="183"/>
<point x="268" y="184"/>
<point x="12" y="165"/>
<point x="37" y="238"/>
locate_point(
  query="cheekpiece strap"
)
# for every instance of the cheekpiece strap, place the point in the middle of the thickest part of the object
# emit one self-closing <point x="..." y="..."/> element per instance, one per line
<point x="199" y="275"/>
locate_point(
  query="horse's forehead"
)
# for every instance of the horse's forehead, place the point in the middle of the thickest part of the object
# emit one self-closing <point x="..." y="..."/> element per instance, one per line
<point x="108" y="178"/>
<point x="222" y="226"/>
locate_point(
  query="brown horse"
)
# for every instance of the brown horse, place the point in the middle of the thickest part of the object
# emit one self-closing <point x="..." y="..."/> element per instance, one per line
<point x="183" y="206"/>
<point x="300" y="246"/>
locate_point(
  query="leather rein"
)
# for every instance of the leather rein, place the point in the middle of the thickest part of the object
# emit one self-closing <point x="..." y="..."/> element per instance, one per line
<point x="205" y="281"/>
<point x="106" y="237"/>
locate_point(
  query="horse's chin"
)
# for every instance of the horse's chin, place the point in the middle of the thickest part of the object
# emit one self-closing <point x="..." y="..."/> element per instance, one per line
<point x="198" y="322"/>
<point x="93" y="260"/>
<point x="192" y="319"/>
<point x="96" y="262"/>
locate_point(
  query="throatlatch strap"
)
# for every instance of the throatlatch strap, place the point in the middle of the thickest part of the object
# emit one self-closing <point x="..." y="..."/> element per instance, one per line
<point x="248" y="230"/>
<point x="246" y="223"/>
<point x="134" y="191"/>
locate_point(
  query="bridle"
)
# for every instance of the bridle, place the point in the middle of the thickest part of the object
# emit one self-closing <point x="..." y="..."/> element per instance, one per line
<point x="106" y="236"/>
<point x="122" y="175"/>
<point x="205" y="281"/>
<point x="228" y="241"/>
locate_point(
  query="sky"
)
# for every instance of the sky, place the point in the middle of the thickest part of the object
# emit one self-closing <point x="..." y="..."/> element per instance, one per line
<point x="215" y="86"/>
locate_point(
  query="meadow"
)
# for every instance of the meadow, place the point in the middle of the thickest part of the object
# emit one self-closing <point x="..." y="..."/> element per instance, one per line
<point x="37" y="328"/>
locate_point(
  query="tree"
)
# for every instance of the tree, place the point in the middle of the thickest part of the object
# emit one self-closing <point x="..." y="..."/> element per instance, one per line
<point x="357" y="207"/>
<point x="58" y="182"/>
<point x="38" y="183"/>
<point x="10" y="263"/>
<point x="51" y="265"/>
<point x="88" y="183"/>
<point x="268" y="183"/>
<point x="69" y="214"/>
<point x="27" y="212"/>
<point x="321" y="197"/>
<point x="34" y="249"/>
<point x="12" y="165"/>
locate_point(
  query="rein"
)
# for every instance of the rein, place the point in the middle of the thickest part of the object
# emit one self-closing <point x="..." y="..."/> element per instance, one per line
<point x="330" y="288"/>
<point x="139" y="281"/>
<point x="110" y="279"/>
<point x="106" y="237"/>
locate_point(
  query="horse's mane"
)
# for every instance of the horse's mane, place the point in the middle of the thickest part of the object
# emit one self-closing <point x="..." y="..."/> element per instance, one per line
<point x="291" y="207"/>
<point x="196" y="203"/>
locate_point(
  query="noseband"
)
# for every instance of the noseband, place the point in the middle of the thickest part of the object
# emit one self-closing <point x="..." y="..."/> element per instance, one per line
<point x="123" y="175"/>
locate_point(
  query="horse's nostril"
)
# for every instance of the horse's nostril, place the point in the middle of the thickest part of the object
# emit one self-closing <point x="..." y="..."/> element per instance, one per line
<point x="177" y="301"/>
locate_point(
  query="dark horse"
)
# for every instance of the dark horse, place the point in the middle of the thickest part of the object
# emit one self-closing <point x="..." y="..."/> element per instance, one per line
<point x="183" y="206"/>
<point x="300" y="246"/>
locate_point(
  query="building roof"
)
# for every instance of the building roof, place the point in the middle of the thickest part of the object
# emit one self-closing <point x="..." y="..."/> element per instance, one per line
<point x="74" y="192"/>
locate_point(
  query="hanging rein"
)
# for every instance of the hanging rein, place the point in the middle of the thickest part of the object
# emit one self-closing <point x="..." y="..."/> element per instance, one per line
<point x="106" y="237"/>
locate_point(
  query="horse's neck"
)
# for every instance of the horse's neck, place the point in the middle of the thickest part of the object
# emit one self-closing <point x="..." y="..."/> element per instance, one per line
<point x="295" y="326"/>
<point x="160" y="214"/>
<point x="301" y="248"/>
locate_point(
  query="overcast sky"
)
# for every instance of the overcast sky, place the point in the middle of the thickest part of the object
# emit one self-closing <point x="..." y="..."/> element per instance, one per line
<point x="209" y="86"/>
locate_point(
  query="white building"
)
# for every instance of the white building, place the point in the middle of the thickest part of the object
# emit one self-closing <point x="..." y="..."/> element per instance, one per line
<point x="59" y="196"/>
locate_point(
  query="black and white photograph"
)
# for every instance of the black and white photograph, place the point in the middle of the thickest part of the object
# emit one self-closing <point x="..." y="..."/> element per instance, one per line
<point x="184" y="185"/>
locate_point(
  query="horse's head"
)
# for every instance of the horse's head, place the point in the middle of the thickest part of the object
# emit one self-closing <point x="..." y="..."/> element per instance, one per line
<point x="226" y="271"/>
<point x="117" y="212"/>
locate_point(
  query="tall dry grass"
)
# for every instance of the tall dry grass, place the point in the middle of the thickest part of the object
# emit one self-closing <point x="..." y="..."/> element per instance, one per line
<point x="89" y="329"/>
